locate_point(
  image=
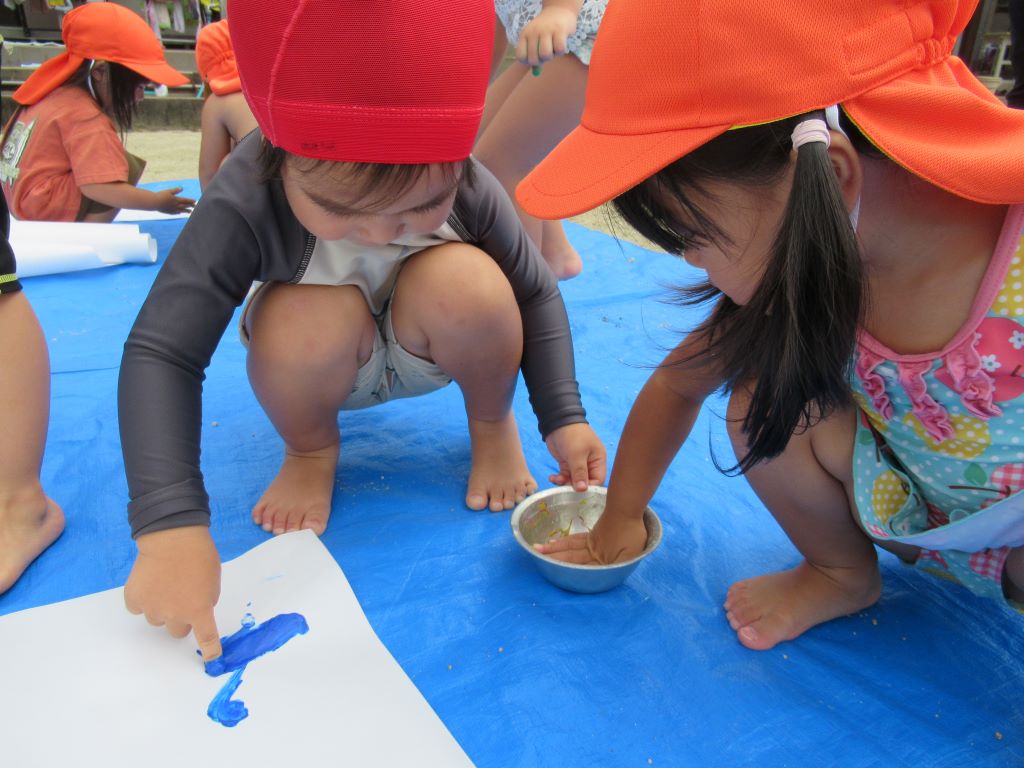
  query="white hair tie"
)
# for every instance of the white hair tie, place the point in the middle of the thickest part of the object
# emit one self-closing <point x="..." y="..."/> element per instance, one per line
<point x="809" y="131"/>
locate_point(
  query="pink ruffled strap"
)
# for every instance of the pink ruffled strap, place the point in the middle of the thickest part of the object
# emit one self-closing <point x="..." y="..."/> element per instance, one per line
<point x="933" y="417"/>
<point x="873" y="383"/>
<point x="970" y="380"/>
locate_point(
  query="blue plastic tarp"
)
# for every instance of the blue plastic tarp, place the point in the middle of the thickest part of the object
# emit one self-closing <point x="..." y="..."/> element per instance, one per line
<point x="522" y="673"/>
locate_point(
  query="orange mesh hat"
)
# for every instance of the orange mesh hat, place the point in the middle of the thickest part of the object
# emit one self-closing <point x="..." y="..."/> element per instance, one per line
<point x="103" y="32"/>
<point x="401" y="81"/>
<point x="667" y="76"/>
<point x="215" y="59"/>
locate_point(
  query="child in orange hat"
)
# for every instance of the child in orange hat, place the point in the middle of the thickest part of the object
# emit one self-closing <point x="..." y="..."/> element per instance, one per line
<point x="864" y="267"/>
<point x="384" y="263"/>
<point x="62" y="157"/>
<point x="526" y="116"/>
<point x="226" y="118"/>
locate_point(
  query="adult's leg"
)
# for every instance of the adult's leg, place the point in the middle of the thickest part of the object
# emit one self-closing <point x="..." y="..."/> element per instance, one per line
<point x="306" y="345"/>
<point x="808" y="491"/>
<point x="453" y="305"/>
<point x="29" y="520"/>
<point x="534" y="117"/>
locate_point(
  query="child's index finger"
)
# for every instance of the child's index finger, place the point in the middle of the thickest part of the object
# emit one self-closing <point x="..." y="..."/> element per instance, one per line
<point x="207" y="637"/>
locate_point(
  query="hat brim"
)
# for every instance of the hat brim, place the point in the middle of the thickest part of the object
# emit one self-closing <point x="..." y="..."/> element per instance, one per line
<point x="588" y="168"/>
<point x="943" y="125"/>
<point x="160" y="73"/>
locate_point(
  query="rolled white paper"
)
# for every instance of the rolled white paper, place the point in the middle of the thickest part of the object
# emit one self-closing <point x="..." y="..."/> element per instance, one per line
<point x="46" y="248"/>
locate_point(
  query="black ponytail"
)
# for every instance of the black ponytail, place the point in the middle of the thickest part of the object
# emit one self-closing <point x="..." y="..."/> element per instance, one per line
<point x="793" y="342"/>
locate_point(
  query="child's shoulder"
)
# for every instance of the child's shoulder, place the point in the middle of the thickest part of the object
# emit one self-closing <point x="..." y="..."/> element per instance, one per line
<point x="68" y="103"/>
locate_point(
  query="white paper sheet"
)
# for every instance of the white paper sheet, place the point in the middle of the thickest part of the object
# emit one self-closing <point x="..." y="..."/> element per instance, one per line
<point x="130" y="214"/>
<point x="85" y="683"/>
<point x="47" y="248"/>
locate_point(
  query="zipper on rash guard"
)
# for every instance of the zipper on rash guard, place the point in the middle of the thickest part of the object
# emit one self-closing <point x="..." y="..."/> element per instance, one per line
<point x="307" y="254"/>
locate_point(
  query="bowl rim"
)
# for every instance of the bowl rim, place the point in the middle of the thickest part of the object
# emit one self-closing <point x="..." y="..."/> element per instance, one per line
<point x="520" y="508"/>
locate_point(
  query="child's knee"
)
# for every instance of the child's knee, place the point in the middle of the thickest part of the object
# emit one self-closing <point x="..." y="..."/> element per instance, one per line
<point x="311" y="327"/>
<point x="463" y="281"/>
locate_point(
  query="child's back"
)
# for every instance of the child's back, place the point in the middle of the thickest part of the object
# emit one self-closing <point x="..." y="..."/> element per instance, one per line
<point x="63" y="159"/>
<point x="226" y="117"/>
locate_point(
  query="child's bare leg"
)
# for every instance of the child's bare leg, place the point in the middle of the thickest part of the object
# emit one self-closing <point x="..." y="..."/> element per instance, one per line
<point x="306" y="345"/>
<point x="499" y="90"/>
<point x="454" y="306"/>
<point x="29" y="521"/>
<point x="533" y="118"/>
<point x="805" y="489"/>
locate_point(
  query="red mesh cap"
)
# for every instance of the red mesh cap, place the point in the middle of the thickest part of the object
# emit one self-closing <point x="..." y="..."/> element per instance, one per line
<point x="393" y="81"/>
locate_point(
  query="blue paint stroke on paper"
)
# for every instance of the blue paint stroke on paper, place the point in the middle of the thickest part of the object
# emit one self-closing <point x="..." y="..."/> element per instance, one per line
<point x="250" y="642"/>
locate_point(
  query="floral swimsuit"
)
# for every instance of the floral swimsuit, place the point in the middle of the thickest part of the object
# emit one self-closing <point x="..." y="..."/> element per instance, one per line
<point x="939" y="456"/>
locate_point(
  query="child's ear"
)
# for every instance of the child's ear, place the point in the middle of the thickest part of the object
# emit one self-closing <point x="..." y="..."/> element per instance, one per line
<point x="99" y="71"/>
<point x="847" y="167"/>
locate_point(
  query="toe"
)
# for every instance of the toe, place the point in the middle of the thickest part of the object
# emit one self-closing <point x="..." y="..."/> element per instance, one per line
<point x="757" y="636"/>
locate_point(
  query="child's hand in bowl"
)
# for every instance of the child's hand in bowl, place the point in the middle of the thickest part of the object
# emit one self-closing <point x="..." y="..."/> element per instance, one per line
<point x="614" y="539"/>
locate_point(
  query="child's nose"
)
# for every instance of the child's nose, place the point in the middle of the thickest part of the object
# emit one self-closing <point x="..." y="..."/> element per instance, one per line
<point x="380" y="233"/>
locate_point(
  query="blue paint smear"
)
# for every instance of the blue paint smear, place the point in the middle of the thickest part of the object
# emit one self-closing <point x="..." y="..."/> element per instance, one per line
<point x="225" y="711"/>
<point x="250" y="642"/>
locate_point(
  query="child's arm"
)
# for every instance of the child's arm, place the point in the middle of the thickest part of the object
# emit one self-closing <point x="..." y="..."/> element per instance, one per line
<point x="548" y="34"/>
<point x="486" y="217"/>
<point x="215" y="143"/>
<point x="658" y="424"/>
<point x="121" y="194"/>
<point x="240" y="232"/>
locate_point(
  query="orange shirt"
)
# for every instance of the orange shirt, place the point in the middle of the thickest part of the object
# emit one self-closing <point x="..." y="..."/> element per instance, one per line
<point x="55" y="147"/>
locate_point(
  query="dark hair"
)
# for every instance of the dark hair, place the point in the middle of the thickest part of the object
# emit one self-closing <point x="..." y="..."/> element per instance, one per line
<point x="123" y="83"/>
<point x="793" y="342"/>
<point x="378" y="183"/>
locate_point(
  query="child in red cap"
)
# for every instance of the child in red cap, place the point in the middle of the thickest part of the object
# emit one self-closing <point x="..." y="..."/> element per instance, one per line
<point x="386" y="264"/>
<point x="526" y="116"/>
<point x="226" y="118"/>
<point x="865" y="265"/>
<point x="62" y="158"/>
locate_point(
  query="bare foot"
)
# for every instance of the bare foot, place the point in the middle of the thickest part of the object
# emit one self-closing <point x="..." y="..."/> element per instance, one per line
<point x="780" y="606"/>
<point x="565" y="265"/>
<point x="300" y="495"/>
<point x="25" y="531"/>
<point x="499" y="478"/>
<point x="558" y="252"/>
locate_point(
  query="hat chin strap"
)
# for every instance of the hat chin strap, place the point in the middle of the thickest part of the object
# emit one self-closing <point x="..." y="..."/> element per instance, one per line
<point x="88" y="81"/>
<point x="832" y="120"/>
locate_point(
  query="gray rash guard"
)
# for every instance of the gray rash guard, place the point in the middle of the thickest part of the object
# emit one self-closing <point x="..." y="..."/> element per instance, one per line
<point x="244" y="231"/>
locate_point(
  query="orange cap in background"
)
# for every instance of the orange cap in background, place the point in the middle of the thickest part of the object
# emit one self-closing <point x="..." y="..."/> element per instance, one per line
<point x="215" y="59"/>
<point x="102" y="32"/>
<point x="667" y="76"/>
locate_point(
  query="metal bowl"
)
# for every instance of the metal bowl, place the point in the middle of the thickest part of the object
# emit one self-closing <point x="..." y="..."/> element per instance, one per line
<point x="563" y="511"/>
